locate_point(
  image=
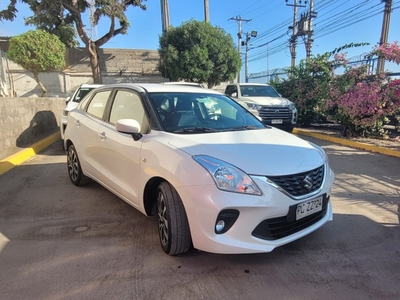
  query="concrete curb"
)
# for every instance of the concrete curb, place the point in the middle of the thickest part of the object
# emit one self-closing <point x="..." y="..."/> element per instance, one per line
<point x="348" y="143"/>
<point x="23" y="155"/>
<point x="14" y="160"/>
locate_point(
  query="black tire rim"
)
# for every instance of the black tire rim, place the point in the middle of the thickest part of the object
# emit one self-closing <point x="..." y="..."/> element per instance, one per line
<point x="162" y="219"/>
<point x="73" y="165"/>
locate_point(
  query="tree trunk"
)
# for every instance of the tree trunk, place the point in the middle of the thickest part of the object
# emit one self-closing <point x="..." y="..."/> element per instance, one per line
<point x="44" y="90"/>
<point x="94" y="62"/>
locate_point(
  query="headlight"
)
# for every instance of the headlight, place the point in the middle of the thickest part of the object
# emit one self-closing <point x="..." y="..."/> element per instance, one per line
<point x="292" y="106"/>
<point x="227" y="177"/>
<point x="253" y="106"/>
<point x="65" y="112"/>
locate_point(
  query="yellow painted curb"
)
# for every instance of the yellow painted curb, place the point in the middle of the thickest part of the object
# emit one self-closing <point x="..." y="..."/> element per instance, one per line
<point x="348" y="143"/>
<point x="23" y="155"/>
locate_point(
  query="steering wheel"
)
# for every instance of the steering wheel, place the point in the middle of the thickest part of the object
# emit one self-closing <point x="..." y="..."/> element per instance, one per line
<point x="212" y="117"/>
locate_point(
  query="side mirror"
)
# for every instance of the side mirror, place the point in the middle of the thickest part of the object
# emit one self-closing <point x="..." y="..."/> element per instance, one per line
<point x="67" y="100"/>
<point x="234" y="94"/>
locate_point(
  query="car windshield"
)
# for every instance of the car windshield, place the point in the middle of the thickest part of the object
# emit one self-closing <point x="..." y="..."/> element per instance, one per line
<point x="81" y="93"/>
<point x="258" y="91"/>
<point x="201" y="113"/>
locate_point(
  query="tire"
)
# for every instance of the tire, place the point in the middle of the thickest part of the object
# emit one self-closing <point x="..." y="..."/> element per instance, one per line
<point x="173" y="226"/>
<point x="74" y="168"/>
<point x="289" y="129"/>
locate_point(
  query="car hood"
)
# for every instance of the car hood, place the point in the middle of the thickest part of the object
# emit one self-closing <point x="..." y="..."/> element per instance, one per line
<point x="257" y="152"/>
<point x="270" y="101"/>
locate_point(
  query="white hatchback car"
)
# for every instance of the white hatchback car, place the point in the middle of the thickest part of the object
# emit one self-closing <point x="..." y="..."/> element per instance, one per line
<point x="72" y="102"/>
<point x="218" y="180"/>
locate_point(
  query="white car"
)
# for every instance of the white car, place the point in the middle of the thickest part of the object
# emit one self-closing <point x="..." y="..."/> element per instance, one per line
<point x="72" y="102"/>
<point x="221" y="181"/>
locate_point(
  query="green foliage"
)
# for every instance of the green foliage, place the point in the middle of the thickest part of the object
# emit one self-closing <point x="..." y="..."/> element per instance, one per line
<point x="37" y="51"/>
<point x="198" y="52"/>
<point x="307" y="86"/>
<point x="59" y="17"/>
<point x="50" y="16"/>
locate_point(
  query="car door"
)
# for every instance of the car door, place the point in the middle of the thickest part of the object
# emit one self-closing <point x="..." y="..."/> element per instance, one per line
<point x="86" y="122"/>
<point x="119" y="152"/>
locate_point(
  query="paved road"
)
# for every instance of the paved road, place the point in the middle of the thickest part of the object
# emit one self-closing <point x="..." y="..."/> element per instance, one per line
<point x="58" y="241"/>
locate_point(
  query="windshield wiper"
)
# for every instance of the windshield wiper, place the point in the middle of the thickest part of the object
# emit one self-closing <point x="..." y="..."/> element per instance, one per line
<point x="243" y="128"/>
<point x="194" y="130"/>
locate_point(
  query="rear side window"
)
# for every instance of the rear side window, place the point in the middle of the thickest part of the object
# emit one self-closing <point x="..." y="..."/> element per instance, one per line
<point x="82" y="92"/>
<point x="98" y="103"/>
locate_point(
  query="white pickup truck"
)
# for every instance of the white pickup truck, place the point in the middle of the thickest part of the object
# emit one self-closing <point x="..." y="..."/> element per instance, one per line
<point x="265" y="102"/>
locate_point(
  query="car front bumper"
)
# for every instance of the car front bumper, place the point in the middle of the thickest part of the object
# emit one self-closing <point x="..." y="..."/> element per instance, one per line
<point x="203" y="204"/>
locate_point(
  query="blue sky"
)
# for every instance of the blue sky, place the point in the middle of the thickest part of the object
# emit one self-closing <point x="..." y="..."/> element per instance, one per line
<point x="338" y="23"/>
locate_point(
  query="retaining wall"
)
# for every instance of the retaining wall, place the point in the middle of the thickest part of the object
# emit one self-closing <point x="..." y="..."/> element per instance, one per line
<point x="24" y="121"/>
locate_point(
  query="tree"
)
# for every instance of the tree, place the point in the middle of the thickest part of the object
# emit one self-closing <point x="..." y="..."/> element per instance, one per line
<point x="198" y="52"/>
<point x="64" y="13"/>
<point x="37" y="51"/>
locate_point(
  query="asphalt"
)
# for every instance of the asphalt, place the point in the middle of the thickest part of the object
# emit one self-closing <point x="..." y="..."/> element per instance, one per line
<point x="18" y="158"/>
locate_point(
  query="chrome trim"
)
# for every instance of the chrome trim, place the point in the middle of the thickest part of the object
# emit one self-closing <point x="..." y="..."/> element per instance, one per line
<point x="297" y="198"/>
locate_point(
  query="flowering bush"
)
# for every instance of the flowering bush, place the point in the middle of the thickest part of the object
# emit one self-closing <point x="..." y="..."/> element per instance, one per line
<point x="307" y="86"/>
<point x="362" y="102"/>
<point x="390" y="52"/>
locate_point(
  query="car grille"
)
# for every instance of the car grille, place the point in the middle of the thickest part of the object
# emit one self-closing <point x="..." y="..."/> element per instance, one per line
<point x="302" y="183"/>
<point x="270" y="113"/>
<point x="277" y="228"/>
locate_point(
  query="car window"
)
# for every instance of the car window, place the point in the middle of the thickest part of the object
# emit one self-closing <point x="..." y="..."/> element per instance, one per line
<point x="98" y="103"/>
<point x="202" y="111"/>
<point x="82" y="92"/>
<point x="231" y="89"/>
<point x="258" y="91"/>
<point x="128" y="105"/>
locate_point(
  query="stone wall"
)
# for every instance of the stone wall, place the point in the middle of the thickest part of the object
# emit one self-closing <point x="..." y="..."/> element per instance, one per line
<point x="24" y="121"/>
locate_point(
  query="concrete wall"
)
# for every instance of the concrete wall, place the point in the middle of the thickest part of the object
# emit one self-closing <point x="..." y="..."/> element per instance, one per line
<point x="117" y="65"/>
<point x="24" y="121"/>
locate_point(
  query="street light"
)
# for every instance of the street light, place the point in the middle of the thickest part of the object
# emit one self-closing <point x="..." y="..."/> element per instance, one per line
<point x="248" y="37"/>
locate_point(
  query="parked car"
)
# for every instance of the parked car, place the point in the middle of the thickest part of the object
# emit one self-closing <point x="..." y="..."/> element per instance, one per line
<point x="221" y="181"/>
<point x="71" y="103"/>
<point x="265" y="102"/>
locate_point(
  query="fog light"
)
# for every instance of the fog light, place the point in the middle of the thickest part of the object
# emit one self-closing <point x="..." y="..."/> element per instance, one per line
<point x="225" y="220"/>
<point x="220" y="226"/>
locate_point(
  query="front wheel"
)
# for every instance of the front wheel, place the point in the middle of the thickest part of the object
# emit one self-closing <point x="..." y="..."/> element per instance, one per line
<point x="173" y="226"/>
<point x="74" y="168"/>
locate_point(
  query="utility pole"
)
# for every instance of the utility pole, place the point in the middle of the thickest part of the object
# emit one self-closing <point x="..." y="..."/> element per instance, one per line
<point x="206" y="14"/>
<point x="164" y="15"/>
<point x="239" y="20"/>
<point x="294" y="35"/>
<point x="385" y="33"/>
<point x="309" y="42"/>
<point x="246" y="68"/>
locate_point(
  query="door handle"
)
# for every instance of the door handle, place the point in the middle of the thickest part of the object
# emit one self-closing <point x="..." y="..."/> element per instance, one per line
<point x="77" y="123"/>
<point x="102" y="135"/>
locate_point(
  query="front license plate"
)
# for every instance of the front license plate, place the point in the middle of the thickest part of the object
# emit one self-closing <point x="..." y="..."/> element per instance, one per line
<point x="308" y="208"/>
<point x="277" y="121"/>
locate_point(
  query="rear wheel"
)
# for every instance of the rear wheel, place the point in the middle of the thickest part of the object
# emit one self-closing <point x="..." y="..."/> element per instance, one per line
<point x="173" y="226"/>
<point x="74" y="168"/>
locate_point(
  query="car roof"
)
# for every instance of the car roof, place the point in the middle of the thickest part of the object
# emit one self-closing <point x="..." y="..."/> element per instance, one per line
<point x="160" y="88"/>
<point x="248" y="83"/>
<point x="182" y="83"/>
<point x="90" y="85"/>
